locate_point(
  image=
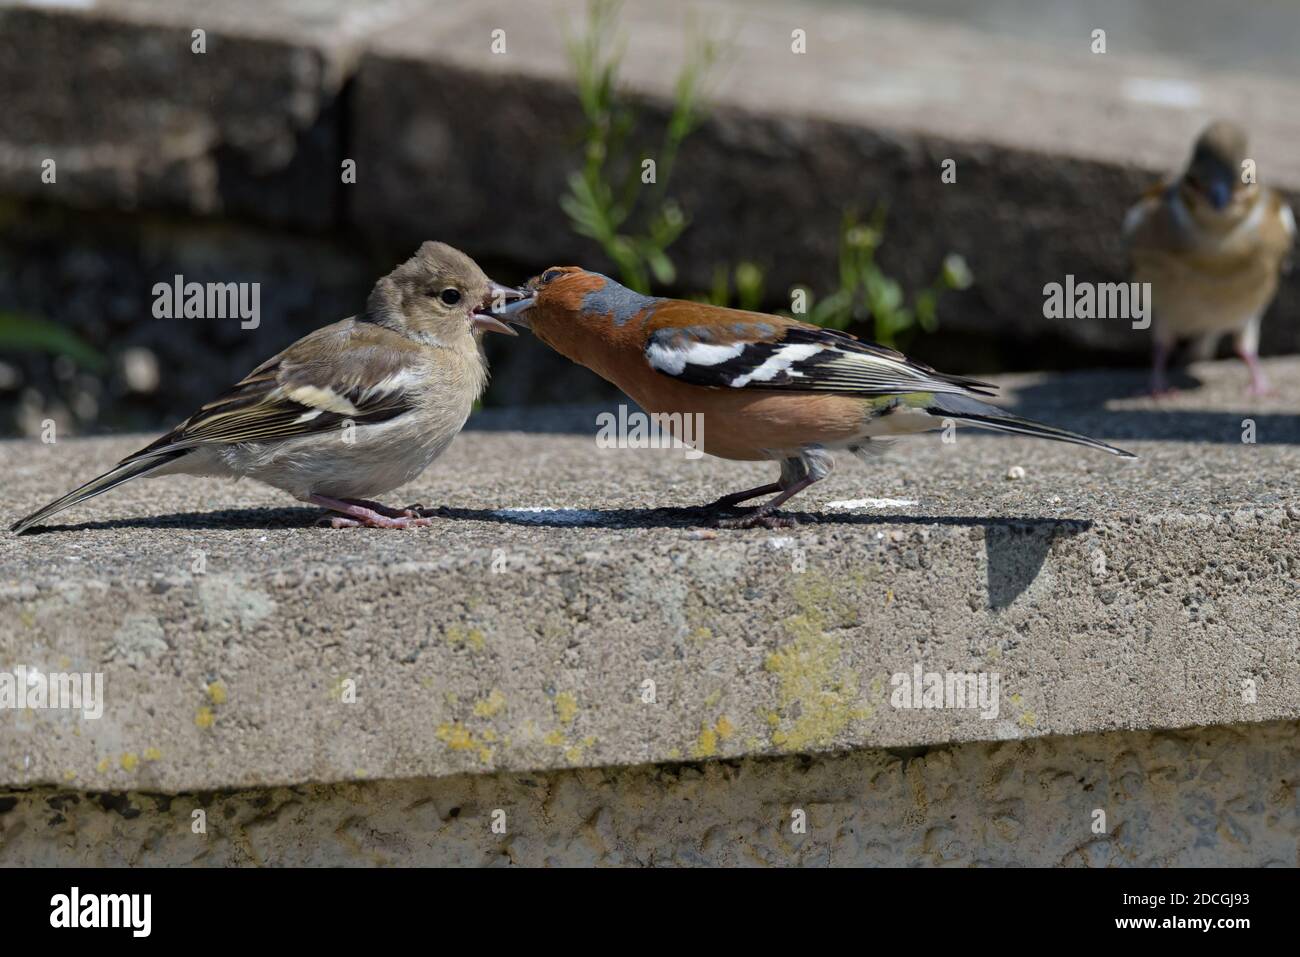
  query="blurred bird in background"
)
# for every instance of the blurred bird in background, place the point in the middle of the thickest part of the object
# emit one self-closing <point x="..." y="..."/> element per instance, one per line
<point x="1211" y="244"/>
<point x="767" y="387"/>
<point x="350" y="411"/>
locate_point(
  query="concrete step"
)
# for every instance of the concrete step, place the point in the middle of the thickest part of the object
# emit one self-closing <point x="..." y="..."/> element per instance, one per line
<point x="565" y="612"/>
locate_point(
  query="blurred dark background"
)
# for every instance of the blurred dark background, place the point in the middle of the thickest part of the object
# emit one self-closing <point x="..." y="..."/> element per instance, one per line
<point x="517" y="132"/>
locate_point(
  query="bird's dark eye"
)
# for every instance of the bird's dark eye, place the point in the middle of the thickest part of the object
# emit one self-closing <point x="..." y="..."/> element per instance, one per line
<point x="551" y="275"/>
<point x="450" y="296"/>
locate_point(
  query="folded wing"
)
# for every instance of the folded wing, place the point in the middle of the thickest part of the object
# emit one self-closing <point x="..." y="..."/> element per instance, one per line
<point x="753" y="351"/>
<point x="339" y="374"/>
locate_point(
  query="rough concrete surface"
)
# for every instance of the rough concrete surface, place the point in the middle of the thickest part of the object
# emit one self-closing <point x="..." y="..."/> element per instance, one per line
<point x="565" y="612"/>
<point x="1210" y="796"/>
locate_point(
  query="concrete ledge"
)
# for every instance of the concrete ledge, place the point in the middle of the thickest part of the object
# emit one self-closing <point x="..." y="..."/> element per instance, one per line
<point x="1106" y="595"/>
<point x="1216" y="797"/>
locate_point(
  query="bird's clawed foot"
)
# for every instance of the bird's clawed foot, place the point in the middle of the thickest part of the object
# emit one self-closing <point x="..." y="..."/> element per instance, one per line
<point x="1260" y="388"/>
<point x="411" y="511"/>
<point x="729" y="502"/>
<point x="759" y="518"/>
<point x="359" y="513"/>
<point x="765" y="516"/>
<point x="374" y="521"/>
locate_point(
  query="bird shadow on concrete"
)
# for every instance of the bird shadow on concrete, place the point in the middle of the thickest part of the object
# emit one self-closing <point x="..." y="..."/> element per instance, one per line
<point x="240" y="519"/>
<point x="1015" y="547"/>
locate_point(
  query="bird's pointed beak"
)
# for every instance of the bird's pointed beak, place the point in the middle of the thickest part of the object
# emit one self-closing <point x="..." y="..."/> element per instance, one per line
<point x="515" y="305"/>
<point x="500" y="299"/>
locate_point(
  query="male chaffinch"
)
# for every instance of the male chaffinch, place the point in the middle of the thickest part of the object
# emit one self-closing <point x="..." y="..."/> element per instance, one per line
<point x="349" y="411"/>
<point x="767" y="387"/>
<point x="1212" y="246"/>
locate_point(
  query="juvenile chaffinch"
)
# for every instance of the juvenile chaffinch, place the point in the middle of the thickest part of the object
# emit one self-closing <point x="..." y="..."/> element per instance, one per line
<point x="1212" y="247"/>
<point x="767" y="387"/>
<point x="349" y="411"/>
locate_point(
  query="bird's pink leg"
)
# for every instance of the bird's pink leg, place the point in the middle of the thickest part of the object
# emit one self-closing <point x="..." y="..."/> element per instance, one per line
<point x="1245" y="342"/>
<point x="763" y="515"/>
<point x="1259" y="384"/>
<point x="356" y="514"/>
<point x="735" y="498"/>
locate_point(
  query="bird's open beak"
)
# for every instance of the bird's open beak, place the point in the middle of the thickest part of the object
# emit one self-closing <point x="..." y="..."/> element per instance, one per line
<point x="515" y="306"/>
<point x="500" y="299"/>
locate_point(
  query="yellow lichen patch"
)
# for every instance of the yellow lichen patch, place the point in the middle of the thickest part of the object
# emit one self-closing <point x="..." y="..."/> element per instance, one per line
<point x="456" y="736"/>
<point x="204" y="717"/>
<point x="574" y="753"/>
<point x="459" y="738"/>
<point x="818" y="695"/>
<point x="103" y="765"/>
<point x="129" y="761"/>
<point x="876" y="689"/>
<point x="706" y="745"/>
<point x="152" y="754"/>
<point x="217" y="692"/>
<point x="566" y="707"/>
<point x="700" y="635"/>
<point x="489" y="736"/>
<point x="1029" y="719"/>
<point x="491" y="705"/>
<point x="69" y="775"/>
<point x="471" y="638"/>
<point x="555" y="739"/>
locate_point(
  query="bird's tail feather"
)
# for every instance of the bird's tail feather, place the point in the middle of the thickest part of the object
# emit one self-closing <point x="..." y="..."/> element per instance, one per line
<point x="986" y="416"/>
<point x="124" y="471"/>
